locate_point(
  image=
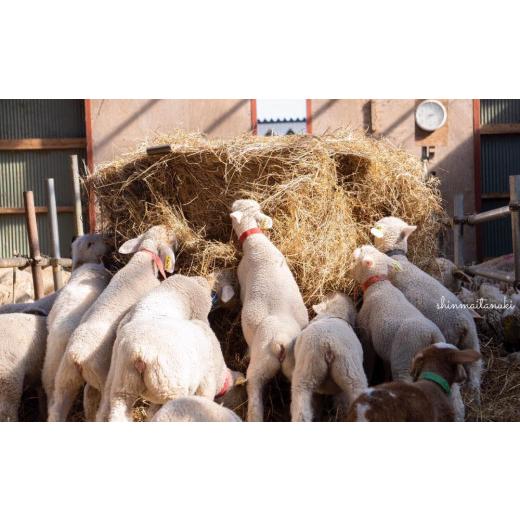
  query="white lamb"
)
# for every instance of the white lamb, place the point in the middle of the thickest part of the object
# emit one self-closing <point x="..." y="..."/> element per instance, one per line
<point x="328" y="358"/>
<point x="273" y="312"/>
<point x="89" y="279"/>
<point x="89" y="350"/>
<point x="22" y="349"/>
<point x="165" y="349"/>
<point x="389" y="323"/>
<point x="436" y="302"/>
<point x="447" y="273"/>
<point x="194" y="409"/>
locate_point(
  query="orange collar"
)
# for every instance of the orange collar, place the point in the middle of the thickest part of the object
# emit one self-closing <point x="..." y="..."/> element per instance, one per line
<point x="372" y="280"/>
<point x="226" y="385"/>
<point x="157" y="260"/>
<point x="245" y="234"/>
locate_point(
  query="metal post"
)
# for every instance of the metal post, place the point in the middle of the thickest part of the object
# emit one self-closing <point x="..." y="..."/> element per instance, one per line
<point x="34" y="244"/>
<point x="458" y="230"/>
<point x="78" y="212"/>
<point x="514" y="206"/>
<point x="55" y="234"/>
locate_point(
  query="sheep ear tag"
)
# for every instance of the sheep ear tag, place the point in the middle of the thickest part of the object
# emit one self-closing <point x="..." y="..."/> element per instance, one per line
<point x="240" y="380"/>
<point x="377" y="232"/>
<point x="168" y="263"/>
<point x="266" y="222"/>
<point x="396" y="266"/>
<point x="168" y="258"/>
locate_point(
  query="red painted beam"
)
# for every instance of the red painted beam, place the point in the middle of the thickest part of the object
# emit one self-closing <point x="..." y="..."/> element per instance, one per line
<point x="477" y="172"/>
<point x="254" y="117"/>
<point x="308" y="107"/>
<point x="90" y="165"/>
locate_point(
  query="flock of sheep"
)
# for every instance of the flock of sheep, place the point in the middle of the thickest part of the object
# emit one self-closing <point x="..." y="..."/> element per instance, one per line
<point x="130" y="336"/>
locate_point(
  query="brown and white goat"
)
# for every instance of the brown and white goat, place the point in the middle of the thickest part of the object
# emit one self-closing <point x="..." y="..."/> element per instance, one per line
<point x="434" y="370"/>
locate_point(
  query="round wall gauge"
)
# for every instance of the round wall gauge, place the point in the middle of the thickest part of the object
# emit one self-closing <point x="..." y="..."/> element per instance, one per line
<point x="430" y="115"/>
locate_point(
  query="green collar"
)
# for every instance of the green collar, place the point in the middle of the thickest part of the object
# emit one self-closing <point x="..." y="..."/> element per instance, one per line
<point x="436" y="378"/>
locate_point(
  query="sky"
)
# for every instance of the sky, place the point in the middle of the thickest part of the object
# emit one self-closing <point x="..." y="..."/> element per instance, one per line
<point x="280" y="108"/>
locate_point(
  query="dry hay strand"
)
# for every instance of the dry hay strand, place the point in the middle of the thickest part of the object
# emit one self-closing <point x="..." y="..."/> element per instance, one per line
<point x="500" y="390"/>
<point x="323" y="193"/>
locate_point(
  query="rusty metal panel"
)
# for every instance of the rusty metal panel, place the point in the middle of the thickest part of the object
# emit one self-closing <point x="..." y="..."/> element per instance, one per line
<point x="42" y="118"/>
<point x="499" y="111"/>
<point x="28" y="170"/>
<point x="500" y="158"/>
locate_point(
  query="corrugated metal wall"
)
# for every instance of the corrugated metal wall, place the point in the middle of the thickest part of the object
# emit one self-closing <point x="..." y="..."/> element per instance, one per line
<point x="28" y="169"/>
<point x="41" y="118"/>
<point x="499" y="111"/>
<point x="496" y="234"/>
<point x="500" y="158"/>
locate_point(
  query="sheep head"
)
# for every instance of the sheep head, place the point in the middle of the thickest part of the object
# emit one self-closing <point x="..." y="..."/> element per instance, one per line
<point x="391" y="233"/>
<point x="246" y="214"/>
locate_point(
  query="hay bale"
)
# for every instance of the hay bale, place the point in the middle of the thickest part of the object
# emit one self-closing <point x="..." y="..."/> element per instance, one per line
<point x="322" y="192"/>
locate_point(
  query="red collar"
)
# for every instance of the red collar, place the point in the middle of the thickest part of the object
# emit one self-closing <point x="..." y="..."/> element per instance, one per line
<point x="226" y="385"/>
<point x="157" y="260"/>
<point x="372" y="280"/>
<point x="251" y="231"/>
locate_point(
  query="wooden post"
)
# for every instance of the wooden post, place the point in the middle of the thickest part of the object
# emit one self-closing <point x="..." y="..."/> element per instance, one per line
<point x="34" y="244"/>
<point x="458" y="230"/>
<point x="78" y="213"/>
<point x="55" y="235"/>
<point x="514" y="206"/>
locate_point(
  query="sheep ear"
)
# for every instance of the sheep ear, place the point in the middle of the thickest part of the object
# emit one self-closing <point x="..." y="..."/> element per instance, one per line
<point x="319" y="307"/>
<point x="227" y="293"/>
<point x="377" y="232"/>
<point x="236" y="216"/>
<point x="408" y="230"/>
<point x="417" y="364"/>
<point x="464" y="356"/>
<point x="168" y="258"/>
<point x="460" y="374"/>
<point x="131" y="246"/>
<point x="265" y="222"/>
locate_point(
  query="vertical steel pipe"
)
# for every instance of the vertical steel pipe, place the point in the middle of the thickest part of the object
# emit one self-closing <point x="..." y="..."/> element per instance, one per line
<point x="34" y="244"/>
<point x="458" y="230"/>
<point x="514" y="206"/>
<point x="55" y="235"/>
<point x="78" y="212"/>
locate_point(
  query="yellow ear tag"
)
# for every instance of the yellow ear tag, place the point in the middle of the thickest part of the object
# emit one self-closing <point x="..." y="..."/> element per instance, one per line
<point x="265" y="223"/>
<point x="168" y="263"/>
<point x="240" y="380"/>
<point x="377" y="232"/>
<point x="396" y="266"/>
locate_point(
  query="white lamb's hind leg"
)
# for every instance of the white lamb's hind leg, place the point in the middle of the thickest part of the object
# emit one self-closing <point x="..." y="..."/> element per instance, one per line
<point x="301" y="402"/>
<point x="261" y="369"/>
<point x="11" y="389"/>
<point x="352" y="386"/>
<point x="126" y="387"/>
<point x="91" y="400"/>
<point x="303" y="386"/>
<point x="458" y="404"/>
<point x="66" y="388"/>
